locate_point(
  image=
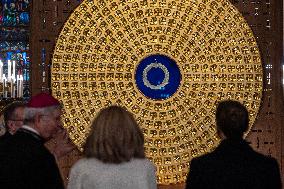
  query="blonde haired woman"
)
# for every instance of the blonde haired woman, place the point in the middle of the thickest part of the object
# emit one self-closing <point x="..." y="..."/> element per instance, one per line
<point x="114" y="155"/>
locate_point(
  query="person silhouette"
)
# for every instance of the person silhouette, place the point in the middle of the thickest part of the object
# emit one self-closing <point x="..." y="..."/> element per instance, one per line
<point x="25" y="161"/>
<point x="114" y="155"/>
<point x="233" y="164"/>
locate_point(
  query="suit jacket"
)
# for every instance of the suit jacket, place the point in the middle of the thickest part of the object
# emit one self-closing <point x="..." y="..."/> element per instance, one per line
<point x="234" y="164"/>
<point x="25" y="163"/>
<point x="5" y="137"/>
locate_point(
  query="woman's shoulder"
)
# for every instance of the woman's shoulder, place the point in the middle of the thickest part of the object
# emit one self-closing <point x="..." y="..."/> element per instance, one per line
<point x="142" y="162"/>
<point x="85" y="163"/>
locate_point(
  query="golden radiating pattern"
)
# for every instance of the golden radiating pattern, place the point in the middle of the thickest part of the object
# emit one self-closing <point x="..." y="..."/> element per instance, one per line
<point x="103" y="41"/>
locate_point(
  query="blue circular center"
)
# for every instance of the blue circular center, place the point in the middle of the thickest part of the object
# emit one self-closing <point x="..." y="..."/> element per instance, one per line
<point x="157" y="77"/>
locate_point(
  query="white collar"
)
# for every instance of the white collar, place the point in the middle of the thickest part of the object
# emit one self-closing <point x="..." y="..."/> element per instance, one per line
<point x="30" y="129"/>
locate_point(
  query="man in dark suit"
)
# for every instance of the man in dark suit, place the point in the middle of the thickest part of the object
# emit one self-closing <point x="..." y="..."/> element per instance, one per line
<point x="13" y="116"/>
<point x="13" y="119"/>
<point x="25" y="163"/>
<point x="233" y="164"/>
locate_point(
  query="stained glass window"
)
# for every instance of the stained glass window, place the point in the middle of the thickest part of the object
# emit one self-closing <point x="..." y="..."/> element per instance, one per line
<point x="14" y="48"/>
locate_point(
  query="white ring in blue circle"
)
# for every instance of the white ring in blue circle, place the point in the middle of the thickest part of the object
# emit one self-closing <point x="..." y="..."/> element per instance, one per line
<point x="158" y="77"/>
<point x="164" y="82"/>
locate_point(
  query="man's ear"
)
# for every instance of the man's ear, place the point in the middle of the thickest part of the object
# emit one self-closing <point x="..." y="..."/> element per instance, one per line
<point x="10" y="125"/>
<point x="9" y="122"/>
<point x="37" y="119"/>
<point x="221" y="134"/>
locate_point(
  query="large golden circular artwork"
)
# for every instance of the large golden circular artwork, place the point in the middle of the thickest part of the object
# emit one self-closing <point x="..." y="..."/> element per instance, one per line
<point x="168" y="62"/>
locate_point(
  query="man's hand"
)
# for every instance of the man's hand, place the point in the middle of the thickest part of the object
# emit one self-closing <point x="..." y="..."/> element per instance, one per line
<point x="63" y="144"/>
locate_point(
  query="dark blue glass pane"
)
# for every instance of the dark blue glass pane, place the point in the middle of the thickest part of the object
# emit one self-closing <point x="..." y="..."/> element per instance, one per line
<point x="14" y="34"/>
<point x="13" y="46"/>
<point x="24" y="18"/>
<point x="14" y="13"/>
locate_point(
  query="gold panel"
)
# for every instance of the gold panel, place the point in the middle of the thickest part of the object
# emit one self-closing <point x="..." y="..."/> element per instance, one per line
<point x="102" y="43"/>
